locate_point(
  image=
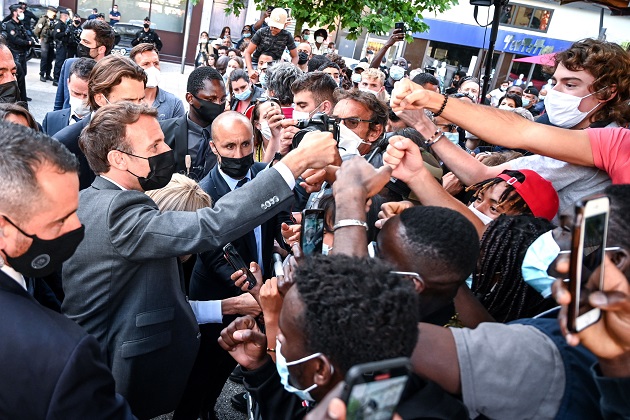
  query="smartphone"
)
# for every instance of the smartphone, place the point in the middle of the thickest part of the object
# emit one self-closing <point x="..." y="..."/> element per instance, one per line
<point x="373" y="390"/>
<point x="278" y="269"/>
<point x="312" y="233"/>
<point x="236" y="261"/>
<point x="400" y="25"/>
<point x="586" y="272"/>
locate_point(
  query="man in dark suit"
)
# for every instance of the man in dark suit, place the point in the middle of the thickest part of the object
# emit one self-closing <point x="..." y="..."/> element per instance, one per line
<point x="50" y="367"/>
<point x="232" y="143"/>
<point x="131" y="297"/>
<point x="189" y="135"/>
<point x="103" y="89"/>
<point x="55" y="121"/>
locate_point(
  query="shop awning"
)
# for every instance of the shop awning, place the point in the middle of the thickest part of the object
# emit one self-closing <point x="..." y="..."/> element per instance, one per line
<point x="544" y="59"/>
<point x="617" y="7"/>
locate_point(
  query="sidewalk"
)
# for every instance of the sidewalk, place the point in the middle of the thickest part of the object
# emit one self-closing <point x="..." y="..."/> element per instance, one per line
<point x="43" y="94"/>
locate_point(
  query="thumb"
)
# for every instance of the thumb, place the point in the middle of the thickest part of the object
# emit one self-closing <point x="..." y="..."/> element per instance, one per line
<point x="284" y="227"/>
<point x="249" y="336"/>
<point x="384" y="171"/>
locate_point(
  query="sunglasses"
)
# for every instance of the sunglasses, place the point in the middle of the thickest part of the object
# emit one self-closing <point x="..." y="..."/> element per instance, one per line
<point x="352" y="122"/>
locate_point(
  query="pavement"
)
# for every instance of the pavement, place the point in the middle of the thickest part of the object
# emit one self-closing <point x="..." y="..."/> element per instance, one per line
<point x="43" y="93"/>
<point x="173" y="81"/>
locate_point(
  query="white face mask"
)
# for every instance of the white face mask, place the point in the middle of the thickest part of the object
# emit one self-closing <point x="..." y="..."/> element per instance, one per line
<point x="79" y="107"/>
<point x="453" y="138"/>
<point x="506" y="107"/>
<point x="562" y="108"/>
<point x="396" y="72"/>
<point x="153" y="76"/>
<point x="319" y="39"/>
<point x="301" y="115"/>
<point x="349" y="142"/>
<point x="265" y="130"/>
<point x="356" y="78"/>
<point x="367" y="90"/>
<point x="485" y="219"/>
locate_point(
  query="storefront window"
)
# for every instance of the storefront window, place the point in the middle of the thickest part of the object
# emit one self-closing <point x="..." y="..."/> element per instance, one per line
<point x="165" y="15"/>
<point x="527" y="17"/>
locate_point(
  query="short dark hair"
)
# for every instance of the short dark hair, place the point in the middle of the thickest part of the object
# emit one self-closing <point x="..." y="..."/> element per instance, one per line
<point x="329" y="65"/>
<point x="280" y="78"/>
<point x="380" y="111"/>
<point x="142" y="48"/>
<point x="82" y="67"/>
<point x="107" y="131"/>
<point x="222" y="47"/>
<point x="517" y="99"/>
<point x="239" y="74"/>
<point x="355" y="310"/>
<point x="532" y="91"/>
<point x="24" y="151"/>
<point x="423" y="78"/>
<point x="321" y="32"/>
<point x="443" y="239"/>
<point x="108" y="73"/>
<point x="103" y="33"/>
<point x="16" y="109"/>
<point x="198" y="77"/>
<point x="316" y="61"/>
<point x="320" y="84"/>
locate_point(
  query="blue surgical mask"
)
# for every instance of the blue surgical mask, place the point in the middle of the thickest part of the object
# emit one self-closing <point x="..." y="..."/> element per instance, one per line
<point x="525" y="102"/>
<point x="283" y="370"/>
<point x="263" y="79"/>
<point x="453" y="138"/>
<point x="356" y="78"/>
<point x="540" y="254"/>
<point x="396" y="72"/>
<point x="243" y="96"/>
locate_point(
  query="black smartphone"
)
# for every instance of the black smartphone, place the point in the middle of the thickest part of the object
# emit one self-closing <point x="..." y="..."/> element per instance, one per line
<point x="312" y="232"/>
<point x="588" y="248"/>
<point x="400" y="25"/>
<point x="373" y="390"/>
<point x="236" y="261"/>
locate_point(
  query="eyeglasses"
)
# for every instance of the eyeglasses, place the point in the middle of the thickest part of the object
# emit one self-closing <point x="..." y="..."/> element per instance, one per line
<point x="409" y="274"/>
<point x="352" y="122"/>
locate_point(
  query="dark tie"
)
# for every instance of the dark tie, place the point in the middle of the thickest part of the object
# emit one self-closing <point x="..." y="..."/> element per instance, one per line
<point x="75" y="118"/>
<point x="250" y="237"/>
<point x="202" y="150"/>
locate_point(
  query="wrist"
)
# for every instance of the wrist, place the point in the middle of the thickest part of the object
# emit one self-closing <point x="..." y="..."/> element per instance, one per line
<point x="616" y="367"/>
<point x="296" y="162"/>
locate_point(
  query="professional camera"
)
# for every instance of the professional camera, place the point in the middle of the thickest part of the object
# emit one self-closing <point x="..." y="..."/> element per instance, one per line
<point x="318" y="122"/>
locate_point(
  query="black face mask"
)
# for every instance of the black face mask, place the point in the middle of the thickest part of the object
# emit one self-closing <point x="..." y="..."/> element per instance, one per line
<point x="208" y="110"/>
<point x="44" y="257"/>
<point x="162" y="168"/>
<point x="9" y="92"/>
<point x="146" y="26"/>
<point x="83" y="51"/>
<point x="302" y="58"/>
<point x="236" y="168"/>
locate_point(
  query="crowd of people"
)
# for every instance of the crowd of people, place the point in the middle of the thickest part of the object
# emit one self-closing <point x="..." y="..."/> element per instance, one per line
<point x="445" y="231"/>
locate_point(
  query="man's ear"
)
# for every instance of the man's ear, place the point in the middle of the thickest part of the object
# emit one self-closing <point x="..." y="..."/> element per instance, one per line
<point x="324" y="372"/>
<point x="189" y="98"/>
<point x="621" y="258"/>
<point x="115" y="160"/>
<point x="375" y="132"/>
<point x="610" y="92"/>
<point x="326" y="107"/>
<point x="99" y="98"/>
<point x="419" y="285"/>
<point x="214" y="149"/>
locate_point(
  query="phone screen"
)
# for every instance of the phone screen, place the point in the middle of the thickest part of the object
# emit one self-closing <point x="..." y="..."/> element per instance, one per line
<point x="376" y="400"/>
<point x="592" y="257"/>
<point x="312" y="233"/>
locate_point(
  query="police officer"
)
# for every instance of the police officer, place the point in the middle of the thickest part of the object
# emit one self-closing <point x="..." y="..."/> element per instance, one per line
<point x="74" y="36"/>
<point x="29" y="18"/>
<point x="19" y="43"/>
<point x="147" y="35"/>
<point x="45" y="30"/>
<point x="61" y="43"/>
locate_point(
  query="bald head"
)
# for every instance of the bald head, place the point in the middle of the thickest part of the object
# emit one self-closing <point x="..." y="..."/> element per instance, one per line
<point x="227" y="123"/>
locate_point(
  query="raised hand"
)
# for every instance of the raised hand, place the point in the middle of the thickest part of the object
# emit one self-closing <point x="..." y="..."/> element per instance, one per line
<point x="246" y="344"/>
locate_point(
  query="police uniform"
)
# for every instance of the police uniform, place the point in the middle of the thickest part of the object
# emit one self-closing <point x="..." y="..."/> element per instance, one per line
<point x="45" y="30"/>
<point x="19" y="43"/>
<point x="149" y="36"/>
<point x="74" y="37"/>
<point x="61" y="43"/>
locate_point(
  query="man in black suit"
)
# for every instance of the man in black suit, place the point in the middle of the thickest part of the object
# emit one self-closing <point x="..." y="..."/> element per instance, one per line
<point x="103" y="89"/>
<point x="232" y="143"/>
<point x="51" y="368"/>
<point x="189" y="135"/>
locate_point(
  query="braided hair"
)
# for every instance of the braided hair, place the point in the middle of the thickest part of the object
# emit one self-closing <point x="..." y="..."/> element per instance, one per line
<point x="510" y="200"/>
<point x="498" y="280"/>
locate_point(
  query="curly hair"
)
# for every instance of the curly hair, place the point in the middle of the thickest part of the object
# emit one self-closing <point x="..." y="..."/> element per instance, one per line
<point x="498" y="280"/>
<point x="355" y="310"/>
<point x="609" y="64"/>
<point x="279" y="80"/>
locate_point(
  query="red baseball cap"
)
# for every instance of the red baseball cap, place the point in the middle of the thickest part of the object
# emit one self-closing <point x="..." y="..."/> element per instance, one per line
<point x="538" y="193"/>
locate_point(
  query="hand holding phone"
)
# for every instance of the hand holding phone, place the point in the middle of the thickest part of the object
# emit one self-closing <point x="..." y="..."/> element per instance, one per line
<point x="312" y="237"/>
<point x="236" y="262"/>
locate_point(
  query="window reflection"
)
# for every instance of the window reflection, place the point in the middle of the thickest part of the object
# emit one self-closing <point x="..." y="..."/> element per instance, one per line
<point x="521" y="16"/>
<point x="165" y="15"/>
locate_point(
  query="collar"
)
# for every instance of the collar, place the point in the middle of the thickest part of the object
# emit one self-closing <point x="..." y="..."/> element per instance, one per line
<point x="19" y="279"/>
<point x="160" y="96"/>
<point x="194" y="127"/>
<point x="113" y="182"/>
<point x="231" y="182"/>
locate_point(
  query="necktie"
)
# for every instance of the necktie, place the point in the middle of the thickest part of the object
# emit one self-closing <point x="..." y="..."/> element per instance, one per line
<point x="202" y="151"/>
<point x="250" y="237"/>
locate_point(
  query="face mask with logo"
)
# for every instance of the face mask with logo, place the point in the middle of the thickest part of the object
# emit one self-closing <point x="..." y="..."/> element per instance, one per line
<point x="319" y="39"/>
<point x="161" y="166"/>
<point x="153" y="76"/>
<point x="265" y="130"/>
<point x="243" y="96"/>
<point x="349" y="142"/>
<point x="208" y="110"/>
<point x="83" y="51"/>
<point x="540" y="254"/>
<point x="9" y="92"/>
<point x="562" y="108"/>
<point x="396" y="72"/>
<point x="453" y="138"/>
<point x="79" y="107"/>
<point x="485" y="219"/>
<point x="236" y="168"/>
<point x="526" y="102"/>
<point x="283" y="370"/>
<point x="356" y="78"/>
<point x="44" y="257"/>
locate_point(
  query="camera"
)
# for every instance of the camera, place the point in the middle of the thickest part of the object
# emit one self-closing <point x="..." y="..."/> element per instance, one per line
<point x="318" y="122"/>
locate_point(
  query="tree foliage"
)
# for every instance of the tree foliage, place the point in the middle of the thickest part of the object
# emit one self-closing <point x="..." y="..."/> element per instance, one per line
<point x="375" y="16"/>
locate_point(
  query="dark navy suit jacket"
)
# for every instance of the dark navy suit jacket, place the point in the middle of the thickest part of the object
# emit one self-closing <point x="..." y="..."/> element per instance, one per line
<point x="55" y="121"/>
<point x="69" y="136"/>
